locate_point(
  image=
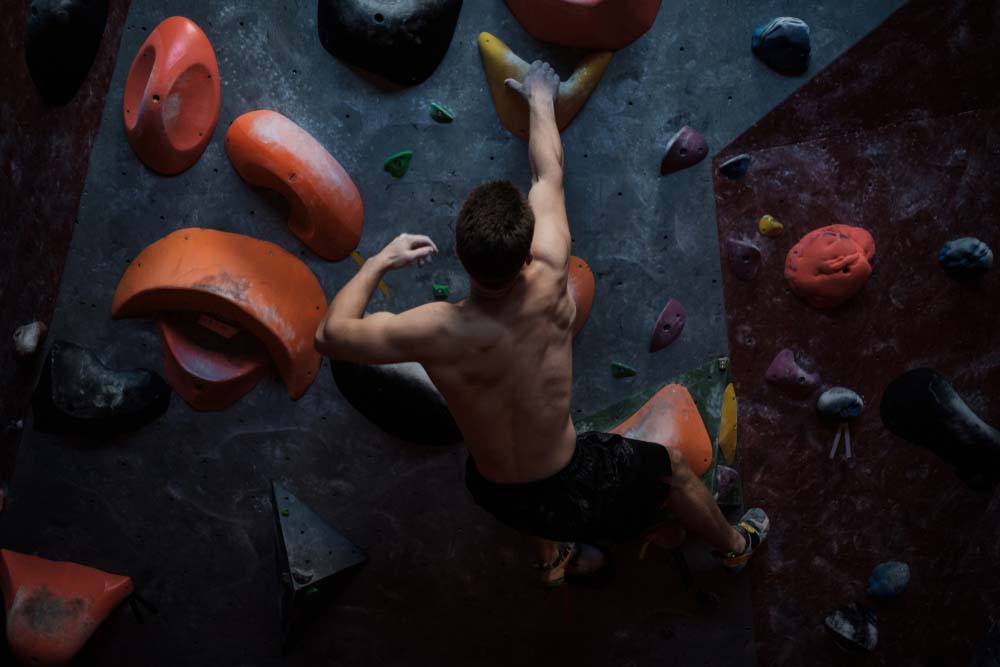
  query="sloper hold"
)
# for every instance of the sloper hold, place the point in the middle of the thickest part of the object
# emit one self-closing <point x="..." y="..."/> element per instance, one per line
<point x="787" y="374"/>
<point x="54" y="607"/>
<point x="889" y="579"/>
<point x="172" y="96"/>
<point x="79" y="394"/>
<point x="670" y="417"/>
<point x="500" y="64"/>
<point x="61" y="40"/>
<point x="966" y="258"/>
<point x="28" y="338"/>
<point x="854" y="627"/>
<point x="736" y="167"/>
<point x="669" y="325"/>
<point x="840" y="403"/>
<point x="783" y="44"/>
<point x="270" y="151"/>
<point x="401" y="41"/>
<point x="727" y="426"/>
<point x="311" y="553"/>
<point x="744" y="258"/>
<point x="830" y="265"/>
<point x="685" y="149"/>
<point x="581" y="288"/>
<point x="922" y="407"/>
<point x="586" y="24"/>
<point x="209" y="371"/>
<point x="254" y="284"/>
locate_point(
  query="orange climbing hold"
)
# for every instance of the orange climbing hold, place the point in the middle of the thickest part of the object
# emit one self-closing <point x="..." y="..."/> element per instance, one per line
<point x="830" y="264"/>
<point x="588" y="24"/>
<point x="581" y="288"/>
<point x="255" y="285"/>
<point x="172" y="96"/>
<point x="671" y="418"/>
<point x="270" y="151"/>
<point x="54" y="607"/>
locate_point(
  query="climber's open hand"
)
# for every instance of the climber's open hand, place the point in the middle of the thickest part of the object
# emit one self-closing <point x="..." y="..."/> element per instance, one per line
<point x="541" y="83"/>
<point x="406" y="249"/>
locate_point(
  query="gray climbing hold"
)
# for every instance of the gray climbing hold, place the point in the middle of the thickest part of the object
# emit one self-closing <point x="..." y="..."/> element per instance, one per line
<point x="840" y="403"/>
<point x="889" y="579"/>
<point x="669" y="325"/>
<point x="28" y="337"/>
<point x="787" y="374"/>
<point x="736" y="167"/>
<point x="854" y="627"/>
<point x="966" y="258"/>
<point x="685" y="149"/>
<point x="744" y="258"/>
<point x="783" y="44"/>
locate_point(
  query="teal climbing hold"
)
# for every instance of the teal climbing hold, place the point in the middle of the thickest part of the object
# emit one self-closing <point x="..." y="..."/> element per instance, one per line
<point x="397" y="164"/>
<point x="440" y="292"/>
<point x="441" y="113"/>
<point x="620" y="370"/>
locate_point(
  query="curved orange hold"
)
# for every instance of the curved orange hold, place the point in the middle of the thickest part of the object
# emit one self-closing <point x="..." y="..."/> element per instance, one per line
<point x="209" y="371"/>
<point x="587" y="24"/>
<point x="255" y="284"/>
<point x="54" y="607"/>
<point x="671" y="418"/>
<point x="831" y="264"/>
<point x="581" y="287"/>
<point x="172" y="96"/>
<point x="270" y="151"/>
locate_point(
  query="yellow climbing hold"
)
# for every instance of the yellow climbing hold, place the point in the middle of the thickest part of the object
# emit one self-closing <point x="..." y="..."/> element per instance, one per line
<point x="727" y="429"/>
<point x="768" y="226"/>
<point x="360" y="261"/>
<point x="500" y="64"/>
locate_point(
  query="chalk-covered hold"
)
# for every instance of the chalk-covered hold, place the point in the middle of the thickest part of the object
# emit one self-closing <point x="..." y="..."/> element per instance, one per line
<point x="788" y="375"/>
<point x="966" y="258"/>
<point x="783" y="44"/>
<point x="736" y="167"/>
<point x="854" y="627"/>
<point x="840" y="403"/>
<point x="28" y="337"/>
<point x="889" y="579"/>
<point x="685" y="149"/>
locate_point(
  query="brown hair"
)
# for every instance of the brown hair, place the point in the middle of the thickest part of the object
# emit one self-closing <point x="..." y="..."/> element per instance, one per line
<point x="494" y="232"/>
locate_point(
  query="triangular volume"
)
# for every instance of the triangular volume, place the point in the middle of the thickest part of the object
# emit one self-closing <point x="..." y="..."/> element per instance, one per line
<point x="500" y="64"/>
<point x="310" y="553"/>
<point x="53" y="607"/>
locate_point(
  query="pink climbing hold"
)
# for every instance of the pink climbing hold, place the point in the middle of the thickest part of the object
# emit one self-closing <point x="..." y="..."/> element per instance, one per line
<point x="744" y="258"/>
<point x="787" y="374"/>
<point x="669" y="325"/>
<point x="685" y="149"/>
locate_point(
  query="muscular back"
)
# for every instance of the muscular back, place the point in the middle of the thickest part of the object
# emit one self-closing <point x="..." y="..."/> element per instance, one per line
<point x="509" y="382"/>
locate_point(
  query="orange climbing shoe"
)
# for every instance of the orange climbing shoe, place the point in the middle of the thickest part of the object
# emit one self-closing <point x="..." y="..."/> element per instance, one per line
<point x="754" y="527"/>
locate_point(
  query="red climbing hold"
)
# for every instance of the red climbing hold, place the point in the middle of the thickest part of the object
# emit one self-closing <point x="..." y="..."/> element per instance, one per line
<point x="830" y="264"/>
<point x="581" y="287"/>
<point x="588" y="24"/>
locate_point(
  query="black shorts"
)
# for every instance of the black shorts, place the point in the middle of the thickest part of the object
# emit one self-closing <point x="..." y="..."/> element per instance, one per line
<point x="611" y="491"/>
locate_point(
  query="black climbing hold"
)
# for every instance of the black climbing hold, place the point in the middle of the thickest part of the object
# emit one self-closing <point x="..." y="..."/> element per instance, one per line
<point x="736" y="168"/>
<point x="60" y="43"/>
<point x="441" y="292"/>
<point x="783" y="44"/>
<point x="79" y="394"/>
<point x="840" y="403"/>
<point x="620" y="370"/>
<point x="398" y="164"/>
<point x="922" y="407"/>
<point x="966" y="258"/>
<point x="400" y="399"/>
<point x="441" y="113"/>
<point x="311" y="553"/>
<point x="400" y="41"/>
<point x="854" y="627"/>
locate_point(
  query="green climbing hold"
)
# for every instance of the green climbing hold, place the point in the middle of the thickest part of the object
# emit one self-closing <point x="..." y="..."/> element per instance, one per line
<point x="620" y="370"/>
<point x="440" y="292"/>
<point x="284" y="512"/>
<point x="398" y="163"/>
<point x="441" y="113"/>
<point x="312" y="590"/>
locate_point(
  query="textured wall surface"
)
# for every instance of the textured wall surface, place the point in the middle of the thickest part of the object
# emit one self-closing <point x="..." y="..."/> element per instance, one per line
<point x="183" y="505"/>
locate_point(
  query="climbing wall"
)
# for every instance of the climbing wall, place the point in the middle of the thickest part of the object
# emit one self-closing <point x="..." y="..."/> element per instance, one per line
<point x="183" y="506"/>
<point x="868" y="143"/>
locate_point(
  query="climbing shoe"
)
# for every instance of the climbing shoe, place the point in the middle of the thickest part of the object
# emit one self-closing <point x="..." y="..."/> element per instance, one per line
<point x="753" y="526"/>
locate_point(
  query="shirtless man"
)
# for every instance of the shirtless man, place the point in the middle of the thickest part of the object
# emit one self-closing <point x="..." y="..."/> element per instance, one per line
<point x="502" y="359"/>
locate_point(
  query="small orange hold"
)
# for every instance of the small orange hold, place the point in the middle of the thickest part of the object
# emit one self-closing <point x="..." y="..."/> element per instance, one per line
<point x="830" y="265"/>
<point x="581" y="288"/>
<point x="172" y="96"/>
<point x="54" y="607"/>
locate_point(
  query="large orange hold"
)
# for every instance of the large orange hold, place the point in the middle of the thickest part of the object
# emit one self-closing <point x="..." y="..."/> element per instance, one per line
<point x="581" y="288"/>
<point x="830" y="264"/>
<point x="172" y="96"/>
<point x="254" y="284"/>
<point x="588" y="24"/>
<point x="54" y="607"/>
<point x="270" y="151"/>
<point x="671" y="418"/>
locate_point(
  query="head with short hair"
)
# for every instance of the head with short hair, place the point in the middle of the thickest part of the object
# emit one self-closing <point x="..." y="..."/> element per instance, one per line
<point x="494" y="232"/>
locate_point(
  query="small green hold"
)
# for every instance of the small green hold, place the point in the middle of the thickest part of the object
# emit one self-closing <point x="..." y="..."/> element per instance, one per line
<point x="398" y="163"/>
<point x="620" y="370"/>
<point x="440" y="292"/>
<point x="312" y="590"/>
<point x="441" y="113"/>
<point x="284" y="512"/>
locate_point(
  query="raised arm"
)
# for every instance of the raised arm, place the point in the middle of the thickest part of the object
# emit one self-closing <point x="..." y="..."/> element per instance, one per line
<point x="551" y="242"/>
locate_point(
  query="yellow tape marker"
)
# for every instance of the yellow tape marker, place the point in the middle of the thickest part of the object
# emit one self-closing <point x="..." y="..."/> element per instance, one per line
<point x="361" y="262"/>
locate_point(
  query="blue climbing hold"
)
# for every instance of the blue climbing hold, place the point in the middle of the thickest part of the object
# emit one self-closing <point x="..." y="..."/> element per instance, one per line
<point x="889" y="579"/>
<point x="783" y="44"/>
<point x="840" y="403"/>
<point x="966" y="258"/>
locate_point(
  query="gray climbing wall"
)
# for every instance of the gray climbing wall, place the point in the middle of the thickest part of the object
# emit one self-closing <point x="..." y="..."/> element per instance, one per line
<point x="183" y="505"/>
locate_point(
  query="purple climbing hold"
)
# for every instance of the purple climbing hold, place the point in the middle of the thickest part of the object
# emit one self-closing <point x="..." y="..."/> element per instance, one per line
<point x="787" y="374"/>
<point x="685" y="149"/>
<point x="669" y="325"/>
<point x="725" y="480"/>
<point x="744" y="258"/>
<point x="736" y="167"/>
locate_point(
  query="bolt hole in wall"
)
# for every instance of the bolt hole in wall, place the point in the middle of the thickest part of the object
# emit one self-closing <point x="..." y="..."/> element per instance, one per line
<point x="379" y="18"/>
